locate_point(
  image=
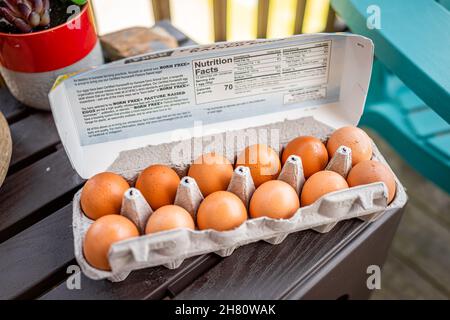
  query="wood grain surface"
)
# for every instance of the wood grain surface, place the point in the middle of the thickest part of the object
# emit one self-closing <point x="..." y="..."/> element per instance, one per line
<point x="261" y="271"/>
<point x="33" y="137"/>
<point x="12" y="109"/>
<point x="5" y="148"/>
<point x="150" y="283"/>
<point x="33" y="192"/>
<point x="35" y="258"/>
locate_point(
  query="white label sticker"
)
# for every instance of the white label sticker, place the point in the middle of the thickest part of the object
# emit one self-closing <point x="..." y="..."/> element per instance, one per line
<point x="137" y="99"/>
<point x="262" y="71"/>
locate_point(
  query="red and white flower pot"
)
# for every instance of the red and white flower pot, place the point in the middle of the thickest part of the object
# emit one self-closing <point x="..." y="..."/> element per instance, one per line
<point x="31" y="62"/>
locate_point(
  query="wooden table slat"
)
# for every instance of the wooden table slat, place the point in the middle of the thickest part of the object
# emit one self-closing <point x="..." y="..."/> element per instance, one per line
<point x="35" y="188"/>
<point x="141" y="284"/>
<point x="35" y="255"/>
<point x="239" y="276"/>
<point x="10" y="107"/>
<point x="31" y="137"/>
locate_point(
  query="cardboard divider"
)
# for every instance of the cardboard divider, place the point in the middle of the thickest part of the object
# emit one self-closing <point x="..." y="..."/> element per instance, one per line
<point x="189" y="196"/>
<point x="292" y="173"/>
<point x="136" y="208"/>
<point x="242" y="185"/>
<point x="341" y="162"/>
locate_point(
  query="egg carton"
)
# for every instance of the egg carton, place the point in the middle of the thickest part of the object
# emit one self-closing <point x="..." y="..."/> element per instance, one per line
<point x="171" y="248"/>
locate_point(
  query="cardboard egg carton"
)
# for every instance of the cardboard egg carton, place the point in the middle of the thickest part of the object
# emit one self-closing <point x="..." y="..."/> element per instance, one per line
<point x="170" y="248"/>
<point x="129" y="114"/>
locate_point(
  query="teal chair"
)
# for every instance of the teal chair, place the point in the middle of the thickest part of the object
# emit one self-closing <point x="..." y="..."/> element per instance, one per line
<point x="409" y="97"/>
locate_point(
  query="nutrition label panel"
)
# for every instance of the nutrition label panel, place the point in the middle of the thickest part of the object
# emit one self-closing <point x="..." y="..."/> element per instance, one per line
<point x="301" y="71"/>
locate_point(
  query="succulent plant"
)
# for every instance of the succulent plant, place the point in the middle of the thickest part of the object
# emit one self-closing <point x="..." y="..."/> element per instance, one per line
<point x="26" y="14"/>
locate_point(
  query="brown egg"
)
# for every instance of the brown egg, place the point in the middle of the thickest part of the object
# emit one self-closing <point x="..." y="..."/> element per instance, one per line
<point x="102" y="234"/>
<point x="312" y="151"/>
<point x="169" y="217"/>
<point x="102" y="195"/>
<point x="221" y="210"/>
<point x="321" y="183"/>
<point x="370" y="171"/>
<point x="212" y="172"/>
<point x="275" y="199"/>
<point x="263" y="162"/>
<point x="354" y="138"/>
<point x="158" y="184"/>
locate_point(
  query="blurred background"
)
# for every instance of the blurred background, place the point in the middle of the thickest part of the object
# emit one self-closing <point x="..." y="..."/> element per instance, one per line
<point x="196" y="17"/>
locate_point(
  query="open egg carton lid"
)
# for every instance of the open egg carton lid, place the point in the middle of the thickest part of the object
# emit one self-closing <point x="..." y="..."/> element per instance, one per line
<point x="176" y="94"/>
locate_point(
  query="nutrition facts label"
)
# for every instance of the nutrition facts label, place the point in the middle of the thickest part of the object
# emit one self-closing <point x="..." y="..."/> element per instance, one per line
<point x="301" y="71"/>
<point x="209" y="84"/>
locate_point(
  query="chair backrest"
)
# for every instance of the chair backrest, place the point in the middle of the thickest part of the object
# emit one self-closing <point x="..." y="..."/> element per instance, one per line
<point x="412" y="39"/>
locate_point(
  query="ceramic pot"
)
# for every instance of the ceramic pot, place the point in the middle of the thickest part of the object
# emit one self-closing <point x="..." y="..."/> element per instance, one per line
<point x="30" y="63"/>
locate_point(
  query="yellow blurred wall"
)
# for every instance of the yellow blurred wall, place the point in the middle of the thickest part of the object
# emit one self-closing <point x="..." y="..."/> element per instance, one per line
<point x="281" y="18"/>
<point x="195" y="17"/>
<point x="316" y="13"/>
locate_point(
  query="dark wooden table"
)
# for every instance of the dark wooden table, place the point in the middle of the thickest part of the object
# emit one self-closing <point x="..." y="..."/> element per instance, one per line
<point x="36" y="241"/>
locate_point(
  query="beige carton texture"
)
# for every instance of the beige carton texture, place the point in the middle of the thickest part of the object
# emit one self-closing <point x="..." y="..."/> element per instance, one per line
<point x="170" y="248"/>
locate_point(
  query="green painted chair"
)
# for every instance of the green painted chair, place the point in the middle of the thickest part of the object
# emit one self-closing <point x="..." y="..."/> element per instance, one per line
<point x="409" y="96"/>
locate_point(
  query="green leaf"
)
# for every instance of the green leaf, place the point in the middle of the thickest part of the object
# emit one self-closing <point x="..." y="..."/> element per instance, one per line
<point x="79" y="2"/>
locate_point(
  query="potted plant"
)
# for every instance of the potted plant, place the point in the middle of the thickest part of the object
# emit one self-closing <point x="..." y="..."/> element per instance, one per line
<point x="42" y="39"/>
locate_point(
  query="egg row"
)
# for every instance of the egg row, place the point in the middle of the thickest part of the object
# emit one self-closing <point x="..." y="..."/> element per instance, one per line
<point x="221" y="210"/>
